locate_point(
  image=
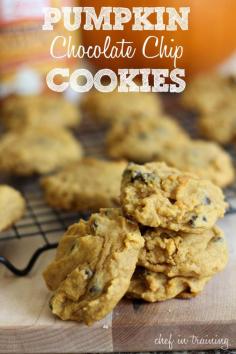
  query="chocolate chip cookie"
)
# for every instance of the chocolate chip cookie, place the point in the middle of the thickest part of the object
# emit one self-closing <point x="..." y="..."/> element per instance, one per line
<point x="19" y="112"/>
<point x="220" y="126"/>
<point x="157" y="195"/>
<point x="40" y="150"/>
<point x="12" y="206"/>
<point x="89" y="184"/>
<point x="143" y="139"/>
<point x="184" y="254"/>
<point x="206" y="159"/>
<point x="94" y="264"/>
<point x="208" y="93"/>
<point x="115" y="106"/>
<point x="153" y="287"/>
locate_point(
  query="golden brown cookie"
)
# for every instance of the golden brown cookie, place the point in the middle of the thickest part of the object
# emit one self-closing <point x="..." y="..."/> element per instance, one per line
<point x="208" y="93"/>
<point x="220" y="126"/>
<point x="19" y="112"/>
<point x="94" y="264"/>
<point x="184" y="254"/>
<point x="141" y="140"/>
<point x="40" y="150"/>
<point x="89" y="184"/>
<point x="12" y="206"/>
<point x="206" y="159"/>
<point x="153" y="287"/>
<point x="115" y="106"/>
<point x="157" y="195"/>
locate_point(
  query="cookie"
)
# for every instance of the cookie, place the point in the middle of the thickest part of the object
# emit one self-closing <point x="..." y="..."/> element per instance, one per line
<point x="141" y="140"/>
<point x="153" y="287"/>
<point x="115" y="106"/>
<point x="184" y="254"/>
<point x="94" y="264"/>
<point x="157" y="195"/>
<point x="219" y="126"/>
<point x="89" y="184"/>
<point x="12" y="206"/>
<point x="208" y="93"/>
<point x="41" y="151"/>
<point x="205" y="159"/>
<point x="19" y="112"/>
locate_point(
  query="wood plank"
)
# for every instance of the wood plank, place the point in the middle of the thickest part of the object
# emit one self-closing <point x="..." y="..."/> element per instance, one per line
<point x="26" y="324"/>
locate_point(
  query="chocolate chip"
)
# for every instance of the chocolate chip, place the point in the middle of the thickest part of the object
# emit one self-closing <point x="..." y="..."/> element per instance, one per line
<point x="142" y="177"/>
<point x="89" y="272"/>
<point x="192" y="220"/>
<point x="218" y="239"/>
<point x="95" y="290"/>
<point x="172" y="201"/>
<point x="207" y="201"/>
<point x="136" y="176"/>
<point x="143" y="229"/>
<point x="204" y="218"/>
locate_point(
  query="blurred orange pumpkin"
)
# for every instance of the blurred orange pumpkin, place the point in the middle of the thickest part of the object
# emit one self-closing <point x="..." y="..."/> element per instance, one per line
<point x="211" y="37"/>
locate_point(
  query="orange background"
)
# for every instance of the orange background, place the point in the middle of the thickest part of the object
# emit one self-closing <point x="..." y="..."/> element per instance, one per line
<point x="211" y="37"/>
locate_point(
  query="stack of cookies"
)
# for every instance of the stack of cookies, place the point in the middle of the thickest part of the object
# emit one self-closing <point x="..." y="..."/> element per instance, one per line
<point x="94" y="263"/>
<point x="161" y="243"/>
<point x="177" y="213"/>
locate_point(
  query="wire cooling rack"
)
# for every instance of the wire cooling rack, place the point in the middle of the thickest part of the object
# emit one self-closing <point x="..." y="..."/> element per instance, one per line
<point x="39" y="221"/>
<point x="43" y="222"/>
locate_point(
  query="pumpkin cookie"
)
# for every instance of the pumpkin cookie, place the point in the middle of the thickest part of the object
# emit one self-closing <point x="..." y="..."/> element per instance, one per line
<point x="94" y="264"/>
<point x="89" y="184"/>
<point x="141" y="140"/>
<point x="157" y="195"/>
<point x="37" y="151"/>
<point x="220" y="125"/>
<point x="115" y="106"/>
<point x="12" y="206"/>
<point x="208" y="93"/>
<point x="19" y="112"/>
<point x="153" y="287"/>
<point x="184" y="254"/>
<point x="206" y="159"/>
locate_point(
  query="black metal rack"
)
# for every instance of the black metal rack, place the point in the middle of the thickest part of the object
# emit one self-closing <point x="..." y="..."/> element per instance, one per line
<point x="39" y="221"/>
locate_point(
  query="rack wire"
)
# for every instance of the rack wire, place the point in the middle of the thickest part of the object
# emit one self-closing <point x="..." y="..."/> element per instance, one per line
<point x="41" y="221"/>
